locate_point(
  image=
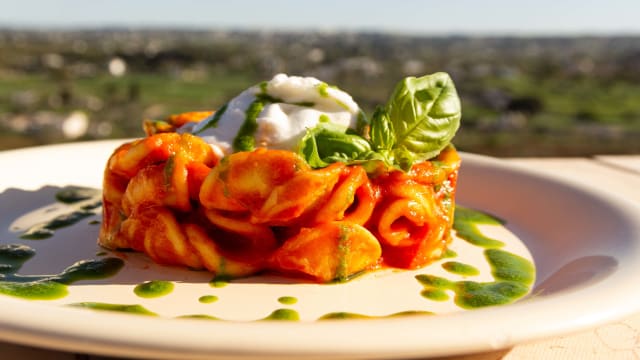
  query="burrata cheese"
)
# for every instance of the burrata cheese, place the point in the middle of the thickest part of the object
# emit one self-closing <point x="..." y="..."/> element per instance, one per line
<point x="275" y="114"/>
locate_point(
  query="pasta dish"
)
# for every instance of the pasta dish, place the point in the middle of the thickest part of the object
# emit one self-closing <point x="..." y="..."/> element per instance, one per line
<point x="291" y="177"/>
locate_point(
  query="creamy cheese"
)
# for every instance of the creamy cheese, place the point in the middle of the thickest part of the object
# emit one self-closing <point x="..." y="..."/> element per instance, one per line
<point x="288" y="106"/>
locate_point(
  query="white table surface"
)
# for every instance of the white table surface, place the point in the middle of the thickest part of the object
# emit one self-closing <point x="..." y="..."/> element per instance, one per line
<point x="617" y="340"/>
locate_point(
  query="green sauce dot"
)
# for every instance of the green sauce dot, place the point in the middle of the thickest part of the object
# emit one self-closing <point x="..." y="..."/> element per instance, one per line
<point x="460" y="268"/>
<point x="287" y="300"/>
<point x="218" y="283"/>
<point x="35" y="290"/>
<point x="153" y="289"/>
<point x="435" y="294"/>
<point x="448" y="254"/>
<point x="283" y="314"/>
<point x="208" y="299"/>
<point x="74" y="194"/>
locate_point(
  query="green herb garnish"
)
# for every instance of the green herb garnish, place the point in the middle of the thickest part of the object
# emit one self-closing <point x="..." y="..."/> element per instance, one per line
<point x="419" y="120"/>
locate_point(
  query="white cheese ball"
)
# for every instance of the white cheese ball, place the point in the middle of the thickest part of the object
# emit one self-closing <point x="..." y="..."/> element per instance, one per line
<point x="294" y="105"/>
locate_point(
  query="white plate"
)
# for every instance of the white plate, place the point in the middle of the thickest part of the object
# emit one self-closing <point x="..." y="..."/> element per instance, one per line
<point x="585" y="244"/>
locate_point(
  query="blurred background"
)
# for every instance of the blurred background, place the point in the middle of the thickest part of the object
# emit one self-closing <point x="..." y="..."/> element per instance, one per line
<point x="540" y="78"/>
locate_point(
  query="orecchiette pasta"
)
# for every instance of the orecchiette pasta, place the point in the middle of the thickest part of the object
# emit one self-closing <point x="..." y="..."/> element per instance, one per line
<point x="168" y="195"/>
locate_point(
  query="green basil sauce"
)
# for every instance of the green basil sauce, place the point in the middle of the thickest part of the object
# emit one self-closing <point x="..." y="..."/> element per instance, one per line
<point x="153" y="289"/>
<point x="12" y="256"/>
<point x="213" y="121"/>
<point x="513" y="277"/>
<point x="323" y="89"/>
<point x="459" y="268"/>
<point x="283" y="314"/>
<point x="167" y="172"/>
<point x="287" y="300"/>
<point x="35" y="290"/>
<point x="510" y="267"/>
<point x="75" y="194"/>
<point x="47" y="230"/>
<point x="219" y="283"/>
<point x="435" y="294"/>
<point x="244" y="140"/>
<point x="47" y="287"/>
<point x="448" y="254"/>
<point x="465" y="223"/>
<point x="125" y="308"/>
<point x="87" y="200"/>
<point x="208" y="299"/>
<point x="342" y="315"/>
<point x="198" y="317"/>
<point x="342" y="253"/>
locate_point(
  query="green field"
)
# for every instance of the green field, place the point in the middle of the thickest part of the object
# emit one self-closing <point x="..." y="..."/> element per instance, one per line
<point x="516" y="102"/>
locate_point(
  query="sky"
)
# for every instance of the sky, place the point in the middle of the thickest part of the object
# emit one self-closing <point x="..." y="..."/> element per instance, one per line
<point x="464" y="17"/>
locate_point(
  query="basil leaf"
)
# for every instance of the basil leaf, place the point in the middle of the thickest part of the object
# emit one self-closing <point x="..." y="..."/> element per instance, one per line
<point x="328" y="143"/>
<point x="425" y="114"/>
<point x="403" y="158"/>
<point x="382" y="135"/>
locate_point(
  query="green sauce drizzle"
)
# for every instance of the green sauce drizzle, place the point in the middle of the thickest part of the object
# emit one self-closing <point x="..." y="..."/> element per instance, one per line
<point x="460" y="268"/>
<point x="125" y="308"/>
<point x="284" y="314"/>
<point x="465" y="223"/>
<point x="47" y="287"/>
<point x="219" y="282"/>
<point x="87" y="200"/>
<point x="213" y="121"/>
<point x="513" y="274"/>
<point x="510" y="267"/>
<point x="46" y="230"/>
<point x="37" y="232"/>
<point x="323" y="89"/>
<point x="435" y="294"/>
<point x="12" y="256"/>
<point x="263" y="86"/>
<point x="343" y="252"/>
<point x="341" y="315"/>
<point x="304" y="104"/>
<point x="244" y="140"/>
<point x="410" y="313"/>
<point x="36" y="290"/>
<point x="87" y="270"/>
<point x="448" y="254"/>
<point x="208" y="299"/>
<point x="75" y="194"/>
<point x="199" y="317"/>
<point x="287" y="300"/>
<point x="167" y="172"/>
<point x="153" y="289"/>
